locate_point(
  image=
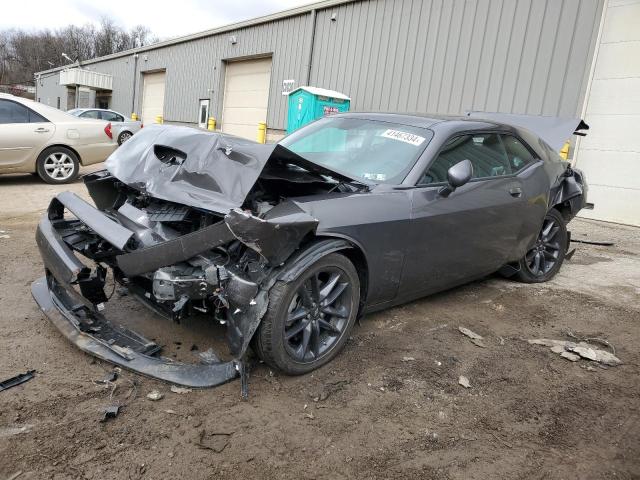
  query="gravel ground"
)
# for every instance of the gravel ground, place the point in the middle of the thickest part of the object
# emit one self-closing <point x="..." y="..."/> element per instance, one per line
<point x="389" y="406"/>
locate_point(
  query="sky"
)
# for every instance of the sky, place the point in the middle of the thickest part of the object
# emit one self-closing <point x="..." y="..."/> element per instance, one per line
<point x="166" y="19"/>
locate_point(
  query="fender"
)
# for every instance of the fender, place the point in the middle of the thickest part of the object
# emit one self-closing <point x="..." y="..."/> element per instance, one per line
<point x="299" y="262"/>
<point x="244" y="319"/>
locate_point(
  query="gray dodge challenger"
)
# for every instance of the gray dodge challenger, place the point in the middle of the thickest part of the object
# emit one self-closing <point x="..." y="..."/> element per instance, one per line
<point x="288" y="244"/>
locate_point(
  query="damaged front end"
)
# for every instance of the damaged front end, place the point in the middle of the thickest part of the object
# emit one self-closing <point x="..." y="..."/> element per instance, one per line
<point x="176" y="258"/>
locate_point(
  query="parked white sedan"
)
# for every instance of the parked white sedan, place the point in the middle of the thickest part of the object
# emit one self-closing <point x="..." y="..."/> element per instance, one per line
<point x="123" y="128"/>
<point x="35" y="138"/>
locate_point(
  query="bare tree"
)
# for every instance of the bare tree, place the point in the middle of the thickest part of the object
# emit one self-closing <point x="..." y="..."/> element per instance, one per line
<point x="22" y="53"/>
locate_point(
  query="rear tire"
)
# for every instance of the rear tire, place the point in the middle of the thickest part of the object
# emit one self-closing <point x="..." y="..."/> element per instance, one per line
<point x="309" y="319"/>
<point x="124" y="136"/>
<point x="545" y="257"/>
<point x="57" y="165"/>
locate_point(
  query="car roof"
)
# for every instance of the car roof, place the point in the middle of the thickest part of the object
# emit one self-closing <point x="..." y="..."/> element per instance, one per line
<point x="86" y="109"/>
<point x="425" y="120"/>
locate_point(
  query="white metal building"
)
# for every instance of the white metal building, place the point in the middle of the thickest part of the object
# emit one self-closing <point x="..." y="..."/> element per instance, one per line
<point x="610" y="154"/>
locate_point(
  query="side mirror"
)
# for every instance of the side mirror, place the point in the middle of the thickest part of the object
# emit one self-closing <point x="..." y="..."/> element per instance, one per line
<point x="457" y="176"/>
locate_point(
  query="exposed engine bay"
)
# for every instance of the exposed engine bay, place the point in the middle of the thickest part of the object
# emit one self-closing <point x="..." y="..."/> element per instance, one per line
<point x="229" y="256"/>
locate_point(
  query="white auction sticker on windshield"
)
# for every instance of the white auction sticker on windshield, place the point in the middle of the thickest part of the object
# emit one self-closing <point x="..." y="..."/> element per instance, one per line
<point x="404" y="137"/>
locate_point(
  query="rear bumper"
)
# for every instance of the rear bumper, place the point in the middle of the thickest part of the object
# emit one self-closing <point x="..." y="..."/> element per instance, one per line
<point x="84" y="326"/>
<point x="95" y="153"/>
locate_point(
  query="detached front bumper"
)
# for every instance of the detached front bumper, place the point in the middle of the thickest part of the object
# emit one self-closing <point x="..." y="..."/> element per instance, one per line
<point x="83" y="325"/>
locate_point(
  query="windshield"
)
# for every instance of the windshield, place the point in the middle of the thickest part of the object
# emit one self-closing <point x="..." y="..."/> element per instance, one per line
<point x="381" y="152"/>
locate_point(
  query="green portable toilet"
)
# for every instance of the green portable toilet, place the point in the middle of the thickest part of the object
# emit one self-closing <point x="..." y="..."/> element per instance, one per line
<point x="307" y="104"/>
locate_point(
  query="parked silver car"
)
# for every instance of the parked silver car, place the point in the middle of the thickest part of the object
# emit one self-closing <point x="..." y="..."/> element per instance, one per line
<point x="123" y="127"/>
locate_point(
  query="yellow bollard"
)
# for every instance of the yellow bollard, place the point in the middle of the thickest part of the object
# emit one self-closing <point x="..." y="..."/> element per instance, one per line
<point x="262" y="132"/>
<point x="211" y="123"/>
<point x="159" y="119"/>
<point x="134" y="116"/>
<point x="564" y="151"/>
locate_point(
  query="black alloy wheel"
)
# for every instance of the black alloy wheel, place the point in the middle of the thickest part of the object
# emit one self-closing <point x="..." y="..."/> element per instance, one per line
<point x="318" y="314"/>
<point x="309" y="319"/>
<point x="544" y="258"/>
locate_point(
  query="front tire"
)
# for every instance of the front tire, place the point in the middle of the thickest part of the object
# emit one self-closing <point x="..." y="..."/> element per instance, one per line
<point x="309" y="319"/>
<point x="544" y="259"/>
<point x="58" y="165"/>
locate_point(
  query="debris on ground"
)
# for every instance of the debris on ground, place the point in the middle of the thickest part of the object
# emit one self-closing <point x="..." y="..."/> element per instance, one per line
<point x="208" y="357"/>
<point x="17" y="380"/>
<point x="571" y="350"/>
<point x="597" y="340"/>
<point x="216" y="441"/>
<point x="110" y="377"/>
<point x="4" y="236"/>
<point x="464" y="381"/>
<point x="180" y="390"/>
<point x="436" y="328"/>
<point x="110" y="412"/>
<point x="572" y="357"/>
<point x="473" y="336"/>
<point x="329" y="389"/>
<point x="593" y="242"/>
<point x="408" y="359"/>
<point x="154" y="395"/>
<point x="15" y="430"/>
<point x="15" y="475"/>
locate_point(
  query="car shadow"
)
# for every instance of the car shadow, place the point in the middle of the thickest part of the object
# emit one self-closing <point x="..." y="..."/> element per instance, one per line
<point x="17" y="179"/>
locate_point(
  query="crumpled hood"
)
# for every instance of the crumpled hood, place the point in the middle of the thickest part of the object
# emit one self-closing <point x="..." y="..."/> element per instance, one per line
<point x="185" y="165"/>
<point x="212" y="171"/>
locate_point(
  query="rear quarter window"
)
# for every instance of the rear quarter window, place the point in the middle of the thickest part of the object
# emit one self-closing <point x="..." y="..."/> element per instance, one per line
<point x="540" y="147"/>
<point x="519" y="155"/>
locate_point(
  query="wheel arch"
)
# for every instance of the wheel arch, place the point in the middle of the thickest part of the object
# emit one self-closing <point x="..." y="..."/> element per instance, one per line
<point x="124" y="130"/>
<point x="323" y="245"/>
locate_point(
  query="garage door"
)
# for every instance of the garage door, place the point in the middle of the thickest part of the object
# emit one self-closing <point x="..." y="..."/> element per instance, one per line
<point x="610" y="154"/>
<point x="152" y="96"/>
<point x="246" y="95"/>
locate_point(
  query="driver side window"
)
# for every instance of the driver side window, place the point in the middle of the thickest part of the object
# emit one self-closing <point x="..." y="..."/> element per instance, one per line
<point x="485" y="151"/>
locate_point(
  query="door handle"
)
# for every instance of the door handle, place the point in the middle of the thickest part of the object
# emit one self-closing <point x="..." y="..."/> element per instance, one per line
<point x="515" y="192"/>
<point x="41" y="130"/>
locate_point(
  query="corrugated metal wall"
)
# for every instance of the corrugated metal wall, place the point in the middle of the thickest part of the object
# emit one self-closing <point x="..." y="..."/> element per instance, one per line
<point x="448" y="56"/>
<point x="48" y="90"/>
<point x="438" y="56"/>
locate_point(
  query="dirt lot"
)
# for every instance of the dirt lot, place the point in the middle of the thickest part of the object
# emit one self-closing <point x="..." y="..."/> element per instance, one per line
<point x="388" y="407"/>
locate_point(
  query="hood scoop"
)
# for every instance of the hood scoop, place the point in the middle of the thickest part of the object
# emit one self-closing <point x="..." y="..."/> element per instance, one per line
<point x="168" y="155"/>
